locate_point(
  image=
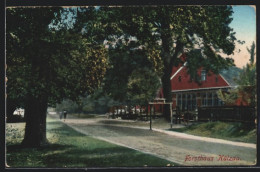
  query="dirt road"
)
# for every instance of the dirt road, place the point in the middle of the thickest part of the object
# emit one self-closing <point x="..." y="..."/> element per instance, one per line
<point x="185" y="151"/>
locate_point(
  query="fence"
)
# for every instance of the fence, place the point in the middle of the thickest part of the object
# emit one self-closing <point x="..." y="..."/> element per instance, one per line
<point x="227" y="113"/>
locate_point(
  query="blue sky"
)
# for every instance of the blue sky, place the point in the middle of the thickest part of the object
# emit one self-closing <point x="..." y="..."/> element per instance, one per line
<point x="244" y="24"/>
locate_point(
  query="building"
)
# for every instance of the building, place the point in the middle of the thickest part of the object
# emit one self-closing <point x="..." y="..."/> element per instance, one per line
<point x="189" y="94"/>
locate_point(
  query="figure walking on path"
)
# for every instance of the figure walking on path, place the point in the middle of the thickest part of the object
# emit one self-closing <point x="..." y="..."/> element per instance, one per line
<point x="65" y="114"/>
<point x="60" y="113"/>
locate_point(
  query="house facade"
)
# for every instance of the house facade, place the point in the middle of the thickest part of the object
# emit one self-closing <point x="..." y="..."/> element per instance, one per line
<point x="188" y="94"/>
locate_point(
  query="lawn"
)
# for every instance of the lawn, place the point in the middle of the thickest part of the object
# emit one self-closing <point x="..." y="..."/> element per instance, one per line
<point x="233" y="131"/>
<point x="69" y="148"/>
<point x="83" y="116"/>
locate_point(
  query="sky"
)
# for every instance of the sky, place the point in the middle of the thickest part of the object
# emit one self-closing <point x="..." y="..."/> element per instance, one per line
<point x="244" y="24"/>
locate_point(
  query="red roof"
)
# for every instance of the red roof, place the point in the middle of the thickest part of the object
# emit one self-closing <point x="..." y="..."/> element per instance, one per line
<point x="180" y="79"/>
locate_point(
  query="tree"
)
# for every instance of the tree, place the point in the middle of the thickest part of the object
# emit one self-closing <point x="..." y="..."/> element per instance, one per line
<point x="173" y="29"/>
<point x="246" y="81"/>
<point x="143" y="85"/>
<point x="251" y="51"/>
<point x="53" y="64"/>
<point x="248" y="75"/>
<point x="68" y="105"/>
<point x="125" y="63"/>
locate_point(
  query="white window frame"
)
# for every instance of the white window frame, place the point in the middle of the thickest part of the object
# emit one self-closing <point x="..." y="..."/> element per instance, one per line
<point x="203" y="75"/>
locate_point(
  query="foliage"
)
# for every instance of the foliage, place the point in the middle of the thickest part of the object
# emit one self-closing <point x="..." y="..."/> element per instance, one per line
<point x="248" y="94"/>
<point x="246" y="81"/>
<point x="168" y="27"/>
<point x="68" y="105"/>
<point x="123" y="61"/>
<point x="19" y="38"/>
<point x="143" y="85"/>
<point x="247" y="78"/>
<point x="252" y="53"/>
<point x="53" y="63"/>
<point x="72" y="149"/>
<point x="170" y="30"/>
<point x="247" y="75"/>
<point x="97" y="102"/>
<point x="229" y="98"/>
<point x="58" y="63"/>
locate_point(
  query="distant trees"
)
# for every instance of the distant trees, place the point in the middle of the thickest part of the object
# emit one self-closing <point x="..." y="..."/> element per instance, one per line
<point x="96" y="103"/>
<point x="248" y="75"/>
<point x="247" y="79"/>
<point x="246" y="90"/>
<point x="142" y="87"/>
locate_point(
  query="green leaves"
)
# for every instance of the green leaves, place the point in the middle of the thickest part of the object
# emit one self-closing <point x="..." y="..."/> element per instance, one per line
<point x="143" y="85"/>
<point x="57" y="63"/>
<point x="60" y="53"/>
<point x="246" y="81"/>
<point x="252" y="53"/>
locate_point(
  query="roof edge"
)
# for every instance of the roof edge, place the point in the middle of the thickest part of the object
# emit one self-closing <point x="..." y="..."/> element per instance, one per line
<point x="178" y="71"/>
<point x="208" y="88"/>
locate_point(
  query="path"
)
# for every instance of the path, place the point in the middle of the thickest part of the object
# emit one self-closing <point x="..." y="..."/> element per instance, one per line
<point x="176" y="148"/>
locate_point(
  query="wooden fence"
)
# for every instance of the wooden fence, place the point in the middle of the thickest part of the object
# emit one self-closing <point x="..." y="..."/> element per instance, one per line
<point x="227" y="113"/>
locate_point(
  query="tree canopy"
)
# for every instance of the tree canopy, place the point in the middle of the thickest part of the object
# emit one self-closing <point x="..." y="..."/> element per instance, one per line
<point x="60" y="63"/>
<point x="57" y="53"/>
<point x="172" y="30"/>
<point x="47" y="65"/>
<point x="143" y="85"/>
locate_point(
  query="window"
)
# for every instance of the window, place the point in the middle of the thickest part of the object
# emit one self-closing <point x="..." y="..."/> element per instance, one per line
<point x="203" y="75"/>
<point x="194" y="102"/>
<point x="216" y="100"/>
<point x="189" y="101"/>
<point x="204" y="99"/>
<point x="209" y="99"/>
<point x="179" y="100"/>
<point x="186" y="101"/>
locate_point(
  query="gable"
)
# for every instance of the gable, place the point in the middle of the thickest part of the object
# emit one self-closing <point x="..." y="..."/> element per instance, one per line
<point x="181" y="80"/>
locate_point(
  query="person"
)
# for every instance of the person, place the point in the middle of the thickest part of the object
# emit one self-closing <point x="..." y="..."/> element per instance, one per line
<point x="60" y="115"/>
<point x="65" y="114"/>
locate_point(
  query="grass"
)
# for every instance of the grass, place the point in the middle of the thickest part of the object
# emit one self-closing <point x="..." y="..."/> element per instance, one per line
<point x="233" y="131"/>
<point x="84" y="116"/>
<point x="69" y="148"/>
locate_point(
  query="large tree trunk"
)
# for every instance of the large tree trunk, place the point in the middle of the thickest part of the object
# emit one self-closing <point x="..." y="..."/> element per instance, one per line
<point x="10" y="108"/>
<point x="166" y="55"/>
<point x="166" y="83"/>
<point x="35" y="129"/>
<point x="168" y="61"/>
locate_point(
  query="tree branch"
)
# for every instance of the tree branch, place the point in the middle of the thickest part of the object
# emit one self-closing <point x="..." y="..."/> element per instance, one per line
<point x="178" y="49"/>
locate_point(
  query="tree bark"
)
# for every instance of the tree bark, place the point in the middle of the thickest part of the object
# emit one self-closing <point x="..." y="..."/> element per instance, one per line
<point x="35" y="129"/>
<point x="167" y="91"/>
<point x="168" y="60"/>
<point x="166" y="55"/>
<point x="10" y="108"/>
